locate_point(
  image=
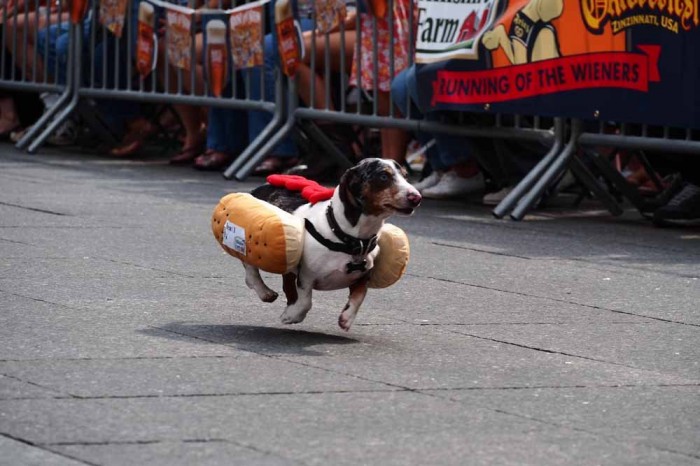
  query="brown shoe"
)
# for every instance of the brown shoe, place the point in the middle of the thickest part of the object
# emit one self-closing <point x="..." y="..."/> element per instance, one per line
<point x="187" y="156"/>
<point x="213" y="161"/>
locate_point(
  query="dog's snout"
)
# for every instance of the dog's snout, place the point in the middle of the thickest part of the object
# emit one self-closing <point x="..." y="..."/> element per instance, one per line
<point x="414" y="198"/>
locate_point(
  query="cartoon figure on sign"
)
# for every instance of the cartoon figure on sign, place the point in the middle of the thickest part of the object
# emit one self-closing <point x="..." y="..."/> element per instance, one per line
<point x="531" y="36"/>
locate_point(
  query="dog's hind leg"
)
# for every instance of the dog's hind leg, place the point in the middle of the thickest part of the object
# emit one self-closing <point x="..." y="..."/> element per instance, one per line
<point x="255" y="282"/>
<point x="358" y="291"/>
<point x="299" y="300"/>
<point x="289" y="286"/>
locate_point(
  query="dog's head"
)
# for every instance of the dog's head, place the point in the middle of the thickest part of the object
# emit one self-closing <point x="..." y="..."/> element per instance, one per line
<point x="377" y="187"/>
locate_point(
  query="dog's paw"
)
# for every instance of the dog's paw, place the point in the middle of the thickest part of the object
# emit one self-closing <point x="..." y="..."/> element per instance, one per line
<point x="291" y="318"/>
<point x="345" y="320"/>
<point x="269" y="296"/>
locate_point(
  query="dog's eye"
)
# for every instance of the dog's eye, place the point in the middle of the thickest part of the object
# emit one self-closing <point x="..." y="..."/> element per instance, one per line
<point x="384" y="177"/>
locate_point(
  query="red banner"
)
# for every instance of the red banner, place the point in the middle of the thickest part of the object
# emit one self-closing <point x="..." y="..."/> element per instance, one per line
<point x="626" y="70"/>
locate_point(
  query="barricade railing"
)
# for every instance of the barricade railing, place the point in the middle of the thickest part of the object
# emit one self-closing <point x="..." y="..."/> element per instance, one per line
<point x="96" y="57"/>
<point x="334" y="85"/>
<point x="26" y="63"/>
<point x="343" y="78"/>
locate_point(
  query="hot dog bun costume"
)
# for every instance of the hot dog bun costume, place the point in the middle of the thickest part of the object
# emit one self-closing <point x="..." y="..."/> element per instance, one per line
<point x="272" y="240"/>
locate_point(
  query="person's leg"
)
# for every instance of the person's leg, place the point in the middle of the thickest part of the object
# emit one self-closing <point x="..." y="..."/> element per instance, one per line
<point x="190" y="116"/>
<point x="9" y="120"/>
<point x="394" y="140"/>
<point x="30" y="25"/>
<point x="223" y="142"/>
<point x="262" y="85"/>
<point x="453" y="157"/>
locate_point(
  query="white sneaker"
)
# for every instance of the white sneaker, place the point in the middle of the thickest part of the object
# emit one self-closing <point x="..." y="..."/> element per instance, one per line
<point x="428" y="181"/>
<point x="495" y="198"/>
<point x="452" y="185"/>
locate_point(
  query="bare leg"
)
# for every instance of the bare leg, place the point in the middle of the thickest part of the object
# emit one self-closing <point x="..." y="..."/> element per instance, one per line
<point x="296" y="312"/>
<point x="358" y="291"/>
<point x="189" y="115"/>
<point x="394" y="141"/>
<point x="8" y="116"/>
<point x="255" y="282"/>
<point x="315" y="78"/>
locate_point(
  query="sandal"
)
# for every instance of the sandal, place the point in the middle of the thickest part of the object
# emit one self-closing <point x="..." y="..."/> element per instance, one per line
<point x="213" y="160"/>
<point x="139" y="132"/>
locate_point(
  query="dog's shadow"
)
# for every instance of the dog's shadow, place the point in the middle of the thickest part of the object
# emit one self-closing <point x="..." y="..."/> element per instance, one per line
<point x="264" y="340"/>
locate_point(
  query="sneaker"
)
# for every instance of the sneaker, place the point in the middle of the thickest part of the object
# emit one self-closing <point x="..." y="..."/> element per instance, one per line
<point x="428" y="181"/>
<point x="496" y="197"/>
<point x="452" y="185"/>
<point x="683" y="208"/>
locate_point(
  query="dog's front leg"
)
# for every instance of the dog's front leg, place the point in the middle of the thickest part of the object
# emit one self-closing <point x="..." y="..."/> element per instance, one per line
<point x="255" y="282"/>
<point x="358" y="291"/>
<point x="299" y="304"/>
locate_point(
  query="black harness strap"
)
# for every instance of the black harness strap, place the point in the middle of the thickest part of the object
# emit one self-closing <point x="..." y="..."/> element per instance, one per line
<point x="348" y="245"/>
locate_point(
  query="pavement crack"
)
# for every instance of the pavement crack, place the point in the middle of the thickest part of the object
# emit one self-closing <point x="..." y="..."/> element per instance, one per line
<point x="601" y="435"/>
<point x="558" y="300"/>
<point x="291" y="361"/>
<point x="45" y="448"/>
<point x="39" y="300"/>
<point x="15" y="242"/>
<point x="124" y="358"/>
<point x="32" y="383"/>
<point x="227" y="395"/>
<point x="139" y="266"/>
<point x="561" y="387"/>
<point x="485" y="251"/>
<point x="34" y="209"/>
<point x="544" y="350"/>
<point x="102" y="443"/>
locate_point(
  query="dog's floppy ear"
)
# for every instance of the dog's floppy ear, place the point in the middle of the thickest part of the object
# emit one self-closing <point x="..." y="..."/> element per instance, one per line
<point x="350" y="191"/>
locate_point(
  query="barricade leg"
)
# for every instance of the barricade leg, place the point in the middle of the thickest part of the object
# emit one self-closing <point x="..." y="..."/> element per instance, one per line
<point x="588" y="180"/>
<point x="330" y="149"/>
<point x="509" y="202"/>
<point x="620" y="183"/>
<point x="245" y="167"/>
<point x="555" y="169"/>
<point x="70" y="96"/>
<point x="34" y="134"/>
<point x="269" y="133"/>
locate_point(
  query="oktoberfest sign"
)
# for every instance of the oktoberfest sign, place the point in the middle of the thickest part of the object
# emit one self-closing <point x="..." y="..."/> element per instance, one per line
<point x="628" y="60"/>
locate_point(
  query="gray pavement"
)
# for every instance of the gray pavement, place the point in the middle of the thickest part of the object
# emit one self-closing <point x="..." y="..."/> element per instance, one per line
<point x="127" y="336"/>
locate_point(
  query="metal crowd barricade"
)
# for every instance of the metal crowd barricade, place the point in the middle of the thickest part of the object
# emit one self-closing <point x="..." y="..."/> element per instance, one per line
<point x="25" y="63"/>
<point x="101" y="65"/>
<point x="335" y="70"/>
<point x="569" y="155"/>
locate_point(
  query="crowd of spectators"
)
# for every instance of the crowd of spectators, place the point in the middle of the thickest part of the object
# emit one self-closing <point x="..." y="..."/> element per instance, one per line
<point x="356" y="52"/>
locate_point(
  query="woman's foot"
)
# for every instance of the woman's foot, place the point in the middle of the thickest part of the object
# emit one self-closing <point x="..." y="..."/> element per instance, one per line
<point x="137" y="134"/>
<point x="192" y="147"/>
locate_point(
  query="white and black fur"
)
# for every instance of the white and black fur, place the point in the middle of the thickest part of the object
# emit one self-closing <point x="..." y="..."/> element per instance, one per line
<point x="367" y="195"/>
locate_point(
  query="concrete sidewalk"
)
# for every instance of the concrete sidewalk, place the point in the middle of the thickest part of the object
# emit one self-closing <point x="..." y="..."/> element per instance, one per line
<point x="128" y="337"/>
